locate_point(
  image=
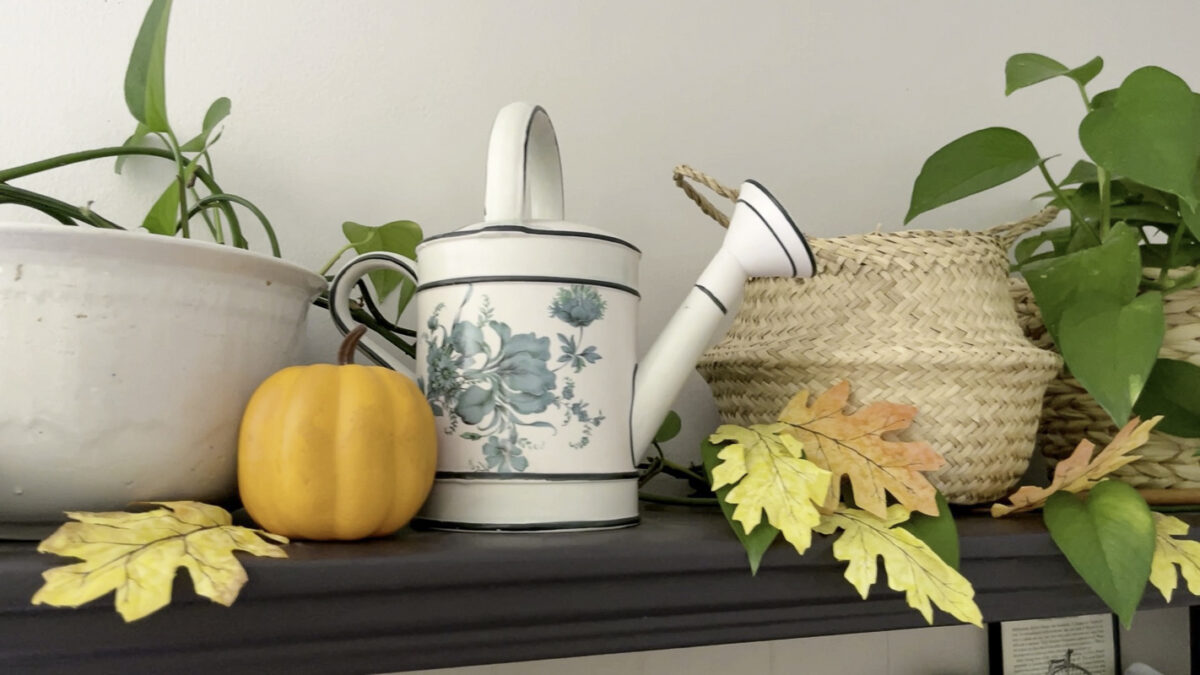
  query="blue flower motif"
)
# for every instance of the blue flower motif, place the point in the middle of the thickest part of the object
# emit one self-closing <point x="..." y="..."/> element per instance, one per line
<point x="578" y="305"/>
<point x="502" y="454"/>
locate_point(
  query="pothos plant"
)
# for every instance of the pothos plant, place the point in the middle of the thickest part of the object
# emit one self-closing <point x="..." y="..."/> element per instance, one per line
<point x="192" y="192"/>
<point x="1133" y="237"/>
<point x="821" y="469"/>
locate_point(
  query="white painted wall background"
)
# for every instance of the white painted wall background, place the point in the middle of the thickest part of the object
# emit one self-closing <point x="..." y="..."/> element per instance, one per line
<point x="376" y="110"/>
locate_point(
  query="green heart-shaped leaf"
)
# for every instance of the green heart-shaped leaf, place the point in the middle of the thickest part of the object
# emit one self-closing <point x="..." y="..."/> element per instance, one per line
<point x="1173" y="391"/>
<point x="1113" y="269"/>
<point x="1109" y="540"/>
<point x="401" y="237"/>
<point x="669" y="428"/>
<point x="940" y="532"/>
<point x="1083" y="172"/>
<point x="1022" y="70"/>
<point x="1111" y="347"/>
<point x="760" y="539"/>
<point x="976" y="162"/>
<point x="1149" y="132"/>
<point x="145" y="88"/>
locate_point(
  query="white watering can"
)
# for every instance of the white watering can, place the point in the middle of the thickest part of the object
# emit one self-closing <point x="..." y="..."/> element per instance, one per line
<point x="526" y="343"/>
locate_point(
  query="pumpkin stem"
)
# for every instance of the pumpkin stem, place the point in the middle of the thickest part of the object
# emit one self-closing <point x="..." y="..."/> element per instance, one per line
<point x="345" y="355"/>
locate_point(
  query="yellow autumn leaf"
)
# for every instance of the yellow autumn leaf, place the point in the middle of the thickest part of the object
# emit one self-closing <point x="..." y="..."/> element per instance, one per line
<point x="854" y="446"/>
<point x="1081" y="471"/>
<point x="912" y="567"/>
<point x="1169" y="552"/>
<point x="768" y="472"/>
<point x="136" y="554"/>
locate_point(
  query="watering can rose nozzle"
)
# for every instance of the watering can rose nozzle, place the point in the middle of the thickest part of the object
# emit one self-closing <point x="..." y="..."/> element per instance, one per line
<point x="762" y="241"/>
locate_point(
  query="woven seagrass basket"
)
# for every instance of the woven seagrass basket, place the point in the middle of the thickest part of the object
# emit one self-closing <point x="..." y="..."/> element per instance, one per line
<point x="917" y="317"/>
<point x="1070" y="414"/>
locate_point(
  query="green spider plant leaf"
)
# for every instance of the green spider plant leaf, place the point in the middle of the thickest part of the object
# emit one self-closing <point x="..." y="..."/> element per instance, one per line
<point x="145" y="86"/>
<point x="163" y="217"/>
<point x="1109" y="539"/>
<point x="1111" y="347"/>
<point x="973" y="163"/>
<point x="218" y="111"/>
<point x="400" y="237"/>
<point x="1150" y="133"/>
<point x="1023" y="70"/>
<point x="760" y="539"/>
<point x="1172" y="391"/>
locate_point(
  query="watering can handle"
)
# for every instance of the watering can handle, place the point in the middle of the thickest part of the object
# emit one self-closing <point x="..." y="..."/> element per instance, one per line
<point x="524" y="172"/>
<point x="339" y="301"/>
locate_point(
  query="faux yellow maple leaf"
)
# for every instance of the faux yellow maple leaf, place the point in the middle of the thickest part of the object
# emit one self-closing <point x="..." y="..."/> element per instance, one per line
<point x="767" y="469"/>
<point x="1169" y="552"/>
<point x="853" y="446"/>
<point x="912" y="567"/>
<point x="1081" y="471"/>
<point x="137" y="554"/>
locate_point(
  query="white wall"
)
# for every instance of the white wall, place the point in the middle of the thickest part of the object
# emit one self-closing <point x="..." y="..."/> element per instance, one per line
<point x="374" y="110"/>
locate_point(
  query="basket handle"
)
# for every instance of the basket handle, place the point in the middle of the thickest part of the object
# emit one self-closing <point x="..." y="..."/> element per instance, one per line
<point x="684" y="173"/>
<point x="1008" y="233"/>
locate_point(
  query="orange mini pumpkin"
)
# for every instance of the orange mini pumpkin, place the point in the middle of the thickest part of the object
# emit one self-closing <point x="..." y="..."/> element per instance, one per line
<point x="336" y="451"/>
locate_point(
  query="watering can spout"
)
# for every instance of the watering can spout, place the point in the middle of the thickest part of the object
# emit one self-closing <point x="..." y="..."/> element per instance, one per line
<point x="762" y="241"/>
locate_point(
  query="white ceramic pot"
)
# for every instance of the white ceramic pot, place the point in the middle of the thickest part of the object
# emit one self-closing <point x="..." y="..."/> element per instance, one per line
<point x="126" y="360"/>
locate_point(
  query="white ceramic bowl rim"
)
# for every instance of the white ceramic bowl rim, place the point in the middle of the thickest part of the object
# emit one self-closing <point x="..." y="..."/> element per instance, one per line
<point x="163" y="249"/>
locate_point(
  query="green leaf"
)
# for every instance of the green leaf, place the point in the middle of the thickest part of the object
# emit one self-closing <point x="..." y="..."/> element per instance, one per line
<point x="1109" y="540"/>
<point x="974" y="163"/>
<point x="1172" y="391"/>
<point x="1155" y="255"/>
<point x="400" y="236"/>
<point x="145" y="86"/>
<point x="1191" y="219"/>
<point x="218" y="111"/>
<point x="940" y="532"/>
<point x="1023" y="70"/>
<point x="760" y="539"/>
<point x="1150" y="132"/>
<point x="1104" y="99"/>
<point x="1083" y="172"/>
<point x="669" y="428"/>
<point x="1111" y="347"/>
<point x="1058" y="238"/>
<point x="1154" y="213"/>
<point x="1113" y="269"/>
<point x="163" y="217"/>
<point x="135" y="139"/>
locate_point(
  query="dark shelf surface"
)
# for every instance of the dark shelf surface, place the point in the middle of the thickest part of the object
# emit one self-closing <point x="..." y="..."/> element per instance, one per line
<point x="431" y="600"/>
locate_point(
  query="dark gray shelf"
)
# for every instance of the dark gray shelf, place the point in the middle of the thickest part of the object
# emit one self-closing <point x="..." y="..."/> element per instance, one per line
<point x="429" y="600"/>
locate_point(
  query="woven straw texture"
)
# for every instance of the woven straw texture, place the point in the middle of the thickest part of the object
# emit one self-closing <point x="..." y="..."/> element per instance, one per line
<point x="1070" y="414"/>
<point x="917" y="317"/>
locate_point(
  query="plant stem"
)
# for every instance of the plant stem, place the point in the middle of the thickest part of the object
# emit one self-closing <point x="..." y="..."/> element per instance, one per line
<point x="172" y="144"/>
<point x="1173" y="243"/>
<point x="1083" y="93"/>
<point x="337" y="256"/>
<point x="1076" y="219"/>
<point x="369" y="321"/>
<point x="668" y="464"/>
<point x="225" y="197"/>
<point x="52" y="207"/>
<point x="1105" y="196"/>
<point x="676" y="501"/>
<point x="214" y="228"/>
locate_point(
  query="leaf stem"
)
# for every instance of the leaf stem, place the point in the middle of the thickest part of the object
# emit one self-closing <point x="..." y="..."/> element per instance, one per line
<point x="1076" y="219"/>
<point x="173" y="144"/>
<point x="225" y="197"/>
<point x="337" y="256"/>
<point x="369" y="321"/>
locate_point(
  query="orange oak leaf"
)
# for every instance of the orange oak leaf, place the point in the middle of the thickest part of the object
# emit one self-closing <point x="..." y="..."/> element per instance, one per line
<point x="853" y="446"/>
<point x="1081" y="471"/>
